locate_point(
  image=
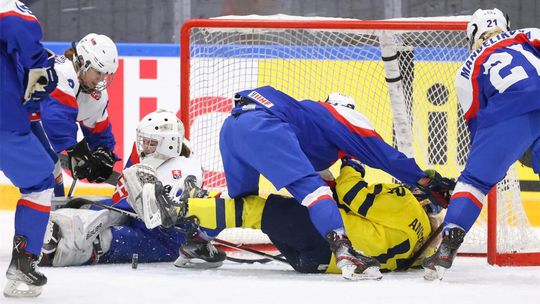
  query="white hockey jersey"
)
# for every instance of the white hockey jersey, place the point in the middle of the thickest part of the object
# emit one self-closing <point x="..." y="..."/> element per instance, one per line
<point x="172" y="172"/>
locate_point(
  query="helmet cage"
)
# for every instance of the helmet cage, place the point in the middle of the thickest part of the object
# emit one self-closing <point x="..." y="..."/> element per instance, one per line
<point x="160" y="136"/>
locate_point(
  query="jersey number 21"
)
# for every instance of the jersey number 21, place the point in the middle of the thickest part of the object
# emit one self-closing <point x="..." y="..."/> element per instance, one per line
<point x="498" y="61"/>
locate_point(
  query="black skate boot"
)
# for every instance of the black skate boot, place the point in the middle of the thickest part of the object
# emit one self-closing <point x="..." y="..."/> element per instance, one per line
<point x="354" y="265"/>
<point x="198" y="252"/>
<point x="23" y="276"/>
<point x="437" y="264"/>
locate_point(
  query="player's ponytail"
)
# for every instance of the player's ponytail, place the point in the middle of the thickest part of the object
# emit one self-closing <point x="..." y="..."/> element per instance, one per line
<point x="69" y="53"/>
<point x="492" y="32"/>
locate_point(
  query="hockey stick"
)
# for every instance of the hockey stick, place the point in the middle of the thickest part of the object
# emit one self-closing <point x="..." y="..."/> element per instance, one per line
<point x="112" y="180"/>
<point x="247" y="249"/>
<point x="72" y="188"/>
<point x="78" y="202"/>
<point x="407" y="263"/>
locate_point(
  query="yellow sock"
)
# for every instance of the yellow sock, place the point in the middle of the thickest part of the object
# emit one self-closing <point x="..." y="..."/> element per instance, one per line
<point x="218" y="213"/>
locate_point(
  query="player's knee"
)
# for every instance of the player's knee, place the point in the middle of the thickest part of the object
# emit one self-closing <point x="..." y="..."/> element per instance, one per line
<point x="470" y="191"/>
<point x="471" y="180"/>
<point x="321" y="193"/>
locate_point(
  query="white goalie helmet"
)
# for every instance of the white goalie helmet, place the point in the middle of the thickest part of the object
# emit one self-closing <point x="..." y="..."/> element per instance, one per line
<point x="339" y="99"/>
<point x="159" y="137"/>
<point x="484" y="20"/>
<point x="99" y="53"/>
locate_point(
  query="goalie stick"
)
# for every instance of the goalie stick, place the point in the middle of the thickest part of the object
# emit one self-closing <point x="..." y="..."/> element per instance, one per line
<point x="78" y="202"/>
<point x="112" y="180"/>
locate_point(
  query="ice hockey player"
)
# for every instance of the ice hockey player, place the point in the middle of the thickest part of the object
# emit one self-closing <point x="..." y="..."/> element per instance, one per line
<point x="84" y="72"/>
<point x="26" y="75"/>
<point x="288" y="141"/>
<point x="157" y="171"/>
<point x="384" y="221"/>
<point x="498" y="88"/>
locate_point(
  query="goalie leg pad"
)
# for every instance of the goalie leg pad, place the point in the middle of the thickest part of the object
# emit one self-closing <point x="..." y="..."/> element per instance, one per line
<point x="82" y="234"/>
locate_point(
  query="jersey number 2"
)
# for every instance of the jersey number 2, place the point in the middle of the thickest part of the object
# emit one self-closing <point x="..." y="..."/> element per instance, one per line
<point x="498" y="61"/>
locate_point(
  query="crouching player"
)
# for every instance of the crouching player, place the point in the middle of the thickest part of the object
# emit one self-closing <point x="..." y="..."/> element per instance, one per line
<point x="384" y="221"/>
<point x="156" y="174"/>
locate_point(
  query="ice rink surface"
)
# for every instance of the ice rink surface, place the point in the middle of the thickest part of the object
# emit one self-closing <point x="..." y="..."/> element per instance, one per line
<point x="471" y="280"/>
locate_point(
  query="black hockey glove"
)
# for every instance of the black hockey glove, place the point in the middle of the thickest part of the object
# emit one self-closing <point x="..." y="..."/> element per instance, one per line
<point x="355" y="164"/>
<point x="168" y="208"/>
<point x="526" y="158"/>
<point x="437" y="189"/>
<point x="79" y="159"/>
<point x="101" y="165"/>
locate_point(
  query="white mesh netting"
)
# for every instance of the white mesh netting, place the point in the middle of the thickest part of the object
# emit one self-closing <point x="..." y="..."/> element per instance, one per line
<point x="311" y="63"/>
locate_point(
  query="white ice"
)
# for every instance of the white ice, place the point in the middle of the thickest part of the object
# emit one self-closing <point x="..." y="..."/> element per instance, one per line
<point x="471" y="280"/>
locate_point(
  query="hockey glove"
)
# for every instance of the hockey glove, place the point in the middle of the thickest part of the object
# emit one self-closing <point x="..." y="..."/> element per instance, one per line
<point x="101" y="165"/>
<point x="354" y="163"/>
<point x="79" y="159"/>
<point x="169" y="209"/>
<point x="40" y="82"/>
<point x="437" y="188"/>
<point x="526" y="159"/>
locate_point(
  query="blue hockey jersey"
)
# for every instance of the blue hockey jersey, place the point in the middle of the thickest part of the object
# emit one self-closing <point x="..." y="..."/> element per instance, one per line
<point x="20" y="50"/>
<point x="327" y="132"/>
<point x="501" y="79"/>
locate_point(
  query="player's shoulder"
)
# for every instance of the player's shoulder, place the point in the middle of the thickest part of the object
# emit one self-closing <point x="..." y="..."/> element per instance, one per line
<point x="179" y="167"/>
<point x="532" y="33"/>
<point x="183" y="162"/>
<point x="494" y="44"/>
<point x="16" y="9"/>
<point x="352" y="116"/>
<point x="67" y="77"/>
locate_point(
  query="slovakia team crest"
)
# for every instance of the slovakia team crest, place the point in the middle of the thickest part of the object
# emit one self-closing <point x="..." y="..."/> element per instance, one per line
<point x="177" y="174"/>
<point x="96" y="95"/>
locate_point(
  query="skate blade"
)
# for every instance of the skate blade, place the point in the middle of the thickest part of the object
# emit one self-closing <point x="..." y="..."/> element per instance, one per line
<point x="371" y="273"/>
<point x="19" y="289"/>
<point x="434" y="274"/>
<point x="196" y="263"/>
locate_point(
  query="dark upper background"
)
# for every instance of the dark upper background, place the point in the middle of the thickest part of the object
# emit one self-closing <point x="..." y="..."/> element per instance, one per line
<point x="160" y="20"/>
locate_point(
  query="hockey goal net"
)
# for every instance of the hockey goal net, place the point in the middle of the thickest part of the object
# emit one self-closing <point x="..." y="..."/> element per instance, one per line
<point x="401" y="74"/>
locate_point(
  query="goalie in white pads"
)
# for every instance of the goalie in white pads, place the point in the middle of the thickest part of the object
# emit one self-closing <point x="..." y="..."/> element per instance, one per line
<point x="159" y="166"/>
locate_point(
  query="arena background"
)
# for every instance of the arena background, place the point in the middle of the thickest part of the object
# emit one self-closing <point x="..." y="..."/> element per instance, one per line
<point x="147" y="31"/>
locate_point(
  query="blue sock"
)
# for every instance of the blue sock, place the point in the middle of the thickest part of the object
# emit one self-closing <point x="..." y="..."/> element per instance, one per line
<point x="31" y="223"/>
<point x="325" y="216"/>
<point x="463" y="212"/>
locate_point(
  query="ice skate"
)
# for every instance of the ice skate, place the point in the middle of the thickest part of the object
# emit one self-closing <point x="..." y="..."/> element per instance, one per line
<point x="198" y="252"/>
<point x="354" y="265"/>
<point x="436" y="265"/>
<point x="23" y="276"/>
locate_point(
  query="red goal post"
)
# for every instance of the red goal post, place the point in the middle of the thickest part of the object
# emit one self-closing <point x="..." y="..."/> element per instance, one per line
<point x="401" y="74"/>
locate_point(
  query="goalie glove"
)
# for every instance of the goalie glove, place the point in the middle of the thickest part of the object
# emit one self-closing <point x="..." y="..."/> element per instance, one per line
<point x="40" y="82"/>
<point x="437" y="188"/>
<point x="149" y="198"/>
